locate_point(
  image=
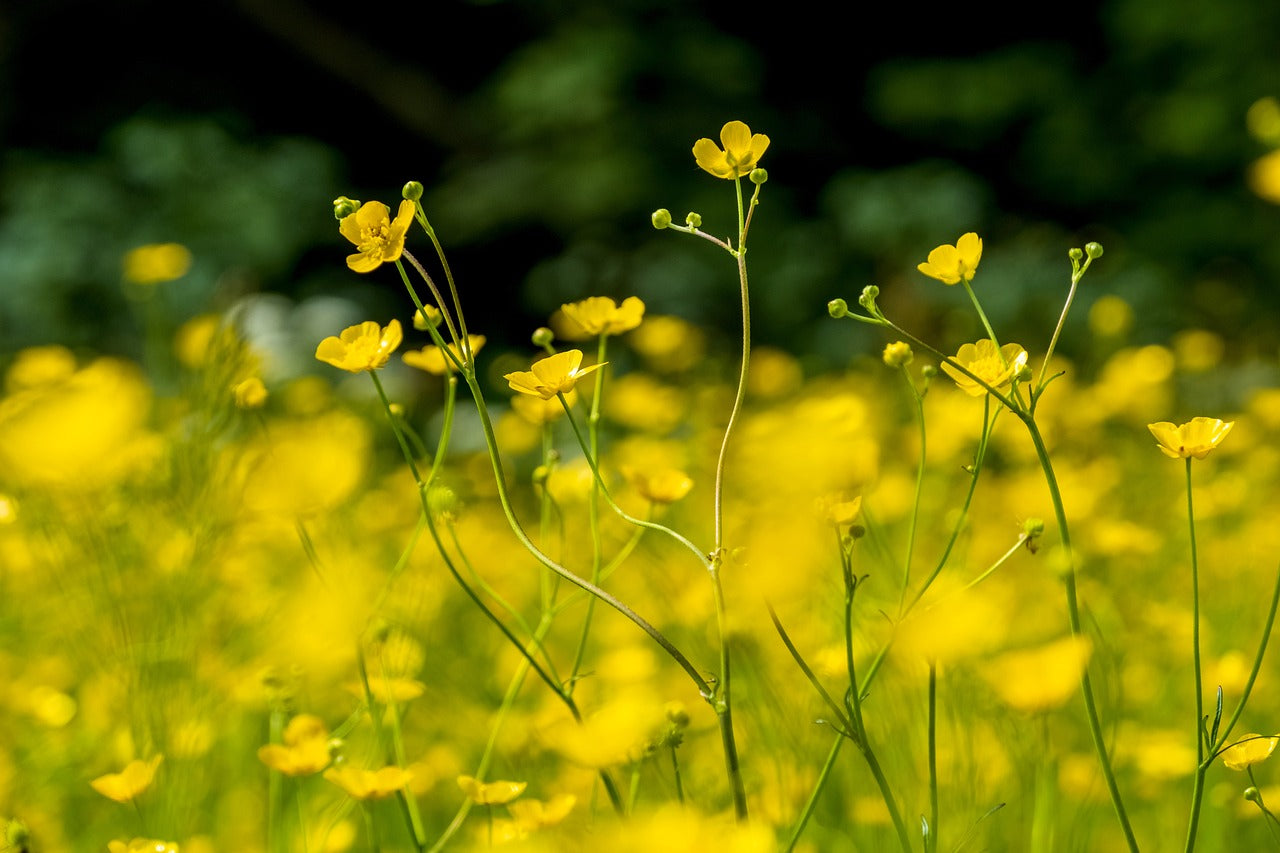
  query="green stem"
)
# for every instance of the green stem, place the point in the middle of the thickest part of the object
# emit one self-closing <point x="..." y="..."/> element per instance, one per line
<point x="915" y="504"/>
<point x="812" y="802"/>
<point x="986" y="324"/>
<point x="1223" y="736"/>
<point x="275" y="787"/>
<point x="593" y="511"/>
<point x="1197" y="787"/>
<point x="675" y="769"/>
<point x="932" y="845"/>
<point x="1073" y="618"/>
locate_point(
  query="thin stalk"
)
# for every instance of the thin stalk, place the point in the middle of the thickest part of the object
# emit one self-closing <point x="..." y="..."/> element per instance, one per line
<point x="444" y="311"/>
<point x="986" y="324"/>
<point x="932" y="844"/>
<point x="1197" y="785"/>
<point x="1223" y="736"/>
<point x="915" y="503"/>
<point x="444" y="264"/>
<point x="675" y="770"/>
<point x="812" y="802"/>
<point x="275" y="787"/>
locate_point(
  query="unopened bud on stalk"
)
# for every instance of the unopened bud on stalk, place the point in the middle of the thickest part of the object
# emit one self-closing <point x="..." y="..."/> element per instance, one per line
<point x="868" y="298"/>
<point x="442" y="499"/>
<point x="758" y="176"/>
<point x="1024" y="373"/>
<point x="1076" y="254"/>
<point x="838" y="308"/>
<point x="344" y="207"/>
<point x="1251" y="794"/>
<point x="898" y="354"/>
<point x="1093" y="250"/>
<point x="541" y="474"/>
<point x="661" y="218"/>
<point x="929" y="371"/>
<point x="693" y="220"/>
<point x="412" y="191"/>
<point x="542" y="337"/>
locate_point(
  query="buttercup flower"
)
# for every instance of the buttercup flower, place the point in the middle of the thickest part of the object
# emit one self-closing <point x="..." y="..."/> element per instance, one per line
<point x="599" y="315"/>
<point x="491" y="793"/>
<point x="898" y="354"/>
<point x="360" y="348"/>
<point x="128" y="783"/>
<point x="839" y="511"/>
<point x="662" y="486"/>
<point x="535" y="814"/>
<point x="951" y="264"/>
<point x="157" y="263"/>
<point x="556" y="374"/>
<point x="433" y="360"/>
<point x="369" y="784"/>
<point x="1192" y="440"/>
<point x="250" y="393"/>
<point x="305" y="749"/>
<point x="1249" y="750"/>
<point x="742" y="151"/>
<point x="378" y="239"/>
<point x="996" y="368"/>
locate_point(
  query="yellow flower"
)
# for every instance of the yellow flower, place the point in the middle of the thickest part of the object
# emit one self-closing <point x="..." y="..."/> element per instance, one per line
<point x="432" y="359"/>
<point x="898" y="354"/>
<point x="128" y="783"/>
<point x="305" y="749"/>
<point x="599" y="315"/>
<point x="157" y="263"/>
<point x="838" y="511"/>
<point x="950" y="264"/>
<point x="556" y="374"/>
<point x="741" y="151"/>
<point x="538" y="411"/>
<point x="142" y="845"/>
<point x="981" y="359"/>
<point x="250" y="394"/>
<point x="377" y="238"/>
<point x="491" y="793"/>
<point x="1040" y="678"/>
<point x="662" y="486"/>
<point x="360" y="348"/>
<point x="396" y="689"/>
<point x="1249" y="750"/>
<point x="1192" y="440"/>
<point x="535" y="814"/>
<point x="369" y="784"/>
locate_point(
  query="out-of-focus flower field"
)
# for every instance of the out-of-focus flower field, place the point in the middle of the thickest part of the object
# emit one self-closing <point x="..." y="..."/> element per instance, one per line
<point x="186" y="572"/>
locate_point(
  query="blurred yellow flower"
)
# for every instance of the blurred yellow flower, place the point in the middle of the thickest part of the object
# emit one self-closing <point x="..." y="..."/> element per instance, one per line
<point x="981" y="359"/>
<point x="898" y="354"/>
<point x="1040" y="678"/>
<point x="35" y="367"/>
<point x="377" y="238"/>
<point x="432" y="359"/>
<point x="538" y="411"/>
<point x="1192" y="440"/>
<point x="742" y="151"/>
<point x="157" y="263"/>
<point x="305" y="749"/>
<point x="600" y="315"/>
<point x="369" y="784"/>
<point x="1249" y="750"/>
<point x="555" y="374"/>
<point x="250" y="394"/>
<point x="142" y="845"/>
<point x="953" y="264"/>
<point x="1264" y="177"/>
<point x="387" y="690"/>
<point x="535" y="814"/>
<point x="360" y="348"/>
<point x="839" y="511"/>
<point x="491" y="793"/>
<point x="661" y="485"/>
<point x="128" y="783"/>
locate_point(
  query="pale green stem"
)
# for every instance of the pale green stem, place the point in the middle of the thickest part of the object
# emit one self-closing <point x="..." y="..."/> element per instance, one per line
<point x="375" y="844"/>
<point x="275" y="787"/>
<point x="1004" y="558"/>
<point x="444" y="312"/>
<point x="633" y="795"/>
<point x="675" y="770"/>
<point x="593" y="512"/>
<point x="986" y="324"/>
<point x="444" y="264"/>
<point x="1057" y="332"/>
<point x="915" y="503"/>
<point x="932" y="842"/>
<point x="823" y="775"/>
<point x="1197" y="786"/>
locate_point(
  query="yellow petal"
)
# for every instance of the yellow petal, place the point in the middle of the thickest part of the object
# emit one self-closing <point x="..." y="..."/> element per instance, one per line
<point x="1248" y="751"/>
<point x="736" y="137"/>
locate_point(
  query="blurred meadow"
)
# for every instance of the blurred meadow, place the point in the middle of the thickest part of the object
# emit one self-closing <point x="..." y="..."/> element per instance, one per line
<point x="226" y="597"/>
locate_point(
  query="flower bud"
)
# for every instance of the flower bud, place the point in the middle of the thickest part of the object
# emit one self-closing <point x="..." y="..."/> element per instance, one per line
<point x="1076" y="254"/>
<point x="676" y="714"/>
<point x="540" y="475"/>
<point x="868" y="298"/>
<point x="412" y="191"/>
<point x="661" y="218"/>
<point x="1251" y="794"/>
<point x="929" y="371"/>
<point x="397" y="410"/>
<point x="441" y="499"/>
<point x="758" y="176"/>
<point x="693" y="220"/>
<point x="427" y="318"/>
<point x="344" y="207"/>
<point x="898" y="354"/>
<point x="1024" y="373"/>
<point x="1093" y="250"/>
<point x="838" y="308"/>
<point x="542" y="337"/>
<point x="1033" y="527"/>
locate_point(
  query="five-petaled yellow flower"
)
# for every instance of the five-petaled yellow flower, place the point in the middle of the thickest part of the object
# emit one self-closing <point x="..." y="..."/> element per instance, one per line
<point x="378" y="238"/>
<point x="360" y="348"/>
<point x="742" y="150"/>
<point x="305" y="749"/>
<point x="996" y="368"/>
<point x="952" y="264"/>
<point x="128" y="783"/>
<point x="490" y="793"/>
<point x="1192" y="440"/>
<point x="433" y="360"/>
<point x="600" y="315"/>
<point x="555" y="374"/>
<point x="369" y="784"/>
<point x="1249" y="750"/>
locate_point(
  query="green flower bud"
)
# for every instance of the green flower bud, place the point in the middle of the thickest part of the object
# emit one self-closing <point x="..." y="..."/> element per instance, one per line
<point x="929" y="371"/>
<point x="1024" y="373"/>
<point x="412" y="191"/>
<point x="542" y="337"/>
<point x="344" y="207"/>
<point x="1251" y="794"/>
<point x="540" y="475"/>
<point x="1076" y="254"/>
<point x="693" y="220"/>
<point x="758" y="176"/>
<point x="868" y="298"/>
<point x="838" y="308"/>
<point x="1093" y="250"/>
<point x="441" y="499"/>
<point x="661" y="218"/>
<point x="898" y="354"/>
<point x="1033" y="527"/>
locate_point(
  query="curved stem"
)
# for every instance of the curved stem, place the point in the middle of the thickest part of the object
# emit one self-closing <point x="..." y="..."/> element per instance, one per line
<point x="812" y="802"/>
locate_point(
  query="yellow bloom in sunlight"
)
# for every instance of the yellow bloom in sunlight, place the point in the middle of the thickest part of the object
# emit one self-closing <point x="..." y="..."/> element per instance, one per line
<point x="491" y="793"/>
<point x="432" y="359"/>
<point x="555" y="374"/>
<point x="250" y="394"/>
<point x="537" y="411"/>
<point x="360" y="348"/>
<point x="157" y="263"/>
<point x="742" y="151"/>
<point x="535" y="814"/>
<point x="662" y="485"/>
<point x="378" y="239"/>
<point x="981" y="359"/>
<point x="369" y="784"/>
<point x="838" y="511"/>
<point x="128" y="783"/>
<point x="305" y="749"/>
<point x="1264" y="177"/>
<point x="1192" y="440"/>
<point x="1040" y="678"/>
<point x="142" y="845"/>
<point x="953" y="264"/>
<point x="1249" y="750"/>
<point x="599" y="315"/>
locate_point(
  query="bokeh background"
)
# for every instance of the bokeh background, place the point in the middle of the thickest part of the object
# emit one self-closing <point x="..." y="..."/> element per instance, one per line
<point x="547" y="131"/>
